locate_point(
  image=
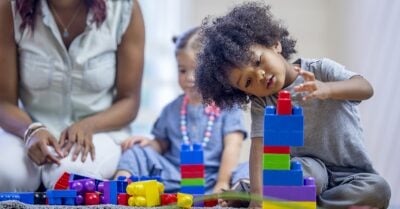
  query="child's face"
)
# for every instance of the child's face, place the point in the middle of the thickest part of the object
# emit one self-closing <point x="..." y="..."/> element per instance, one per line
<point x="186" y="71"/>
<point x="265" y="75"/>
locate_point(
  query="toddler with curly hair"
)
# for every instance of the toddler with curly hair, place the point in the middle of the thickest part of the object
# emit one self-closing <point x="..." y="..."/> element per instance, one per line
<point x="245" y="58"/>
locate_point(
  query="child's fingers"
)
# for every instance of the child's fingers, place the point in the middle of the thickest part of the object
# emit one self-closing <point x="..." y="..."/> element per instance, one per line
<point x="307" y="86"/>
<point x="312" y="95"/>
<point x="308" y="76"/>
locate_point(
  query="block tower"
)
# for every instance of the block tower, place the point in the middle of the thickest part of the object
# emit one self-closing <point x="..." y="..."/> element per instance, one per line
<point x="192" y="170"/>
<point x="283" y="183"/>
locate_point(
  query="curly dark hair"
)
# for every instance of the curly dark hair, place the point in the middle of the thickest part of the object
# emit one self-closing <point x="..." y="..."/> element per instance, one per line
<point x="226" y="41"/>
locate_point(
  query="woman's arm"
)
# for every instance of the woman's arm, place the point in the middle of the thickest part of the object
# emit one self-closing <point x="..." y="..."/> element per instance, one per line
<point x="129" y="78"/>
<point x="230" y="157"/>
<point x="12" y="119"/>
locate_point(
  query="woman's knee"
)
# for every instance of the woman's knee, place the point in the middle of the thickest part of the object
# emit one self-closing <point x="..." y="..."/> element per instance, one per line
<point x="17" y="171"/>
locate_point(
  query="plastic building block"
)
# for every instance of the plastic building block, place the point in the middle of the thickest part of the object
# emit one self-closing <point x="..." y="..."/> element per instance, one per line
<point x="292" y="177"/>
<point x="193" y="189"/>
<point x="62" y="182"/>
<point x="168" y="199"/>
<point x="191" y="154"/>
<point x="122" y="199"/>
<point x="145" y="193"/>
<point x="110" y="192"/>
<point x="184" y="200"/>
<point x="40" y="198"/>
<point x="192" y="168"/>
<point x="283" y="130"/>
<point x="61" y="197"/>
<point x="198" y="200"/>
<point x="192" y="182"/>
<point x="276" y="161"/>
<point x="284" y="104"/>
<point x="210" y="202"/>
<point x="288" y="204"/>
<point x="277" y="149"/>
<point x="83" y="185"/>
<point x="307" y="192"/>
<point x="25" y="197"/>
<point x="92" y="198"/>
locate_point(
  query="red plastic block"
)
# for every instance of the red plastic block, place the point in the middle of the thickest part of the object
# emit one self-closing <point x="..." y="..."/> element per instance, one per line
<point x="167" y="199"/>
<point x="284" y="104"/>
<point x="195" y="175"/>
<point x="92" y="198"/>
<point x="122" y="199"/>
<point x="62" y="182"/>
<point x="210" y="203"/>
<point x="277" y="149"/>
<point x="192" y="168"/>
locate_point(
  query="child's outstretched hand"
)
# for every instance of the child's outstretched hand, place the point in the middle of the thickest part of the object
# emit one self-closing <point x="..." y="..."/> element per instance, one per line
<point x="314" y="88"/>
<point x="129" y="142"/>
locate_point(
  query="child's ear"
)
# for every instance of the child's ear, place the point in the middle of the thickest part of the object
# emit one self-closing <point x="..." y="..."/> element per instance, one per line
<point x="278" y="47"/>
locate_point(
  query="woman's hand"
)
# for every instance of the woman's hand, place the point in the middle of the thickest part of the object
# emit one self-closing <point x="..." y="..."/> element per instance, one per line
<point x="38" y="148"/>
<point x="129" y="142"/>
<point x="79" y="135"/>
<point x="314" y="88"/>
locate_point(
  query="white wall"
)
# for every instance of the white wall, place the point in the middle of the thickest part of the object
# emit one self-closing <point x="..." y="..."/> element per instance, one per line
<point x="361" y="34"/>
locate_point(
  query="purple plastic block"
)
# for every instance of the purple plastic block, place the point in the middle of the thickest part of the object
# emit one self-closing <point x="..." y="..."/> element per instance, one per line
<point x="307" y="192"/>
<point x="196" y="202"/>
<point x="83" y="185"/>
<point x="291" y="193"/>
<point x="110" y="192"/>
<point x="79" y="200"/>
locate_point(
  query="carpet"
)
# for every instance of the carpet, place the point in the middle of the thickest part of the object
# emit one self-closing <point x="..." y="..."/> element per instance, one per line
<point x="18" y="205"/>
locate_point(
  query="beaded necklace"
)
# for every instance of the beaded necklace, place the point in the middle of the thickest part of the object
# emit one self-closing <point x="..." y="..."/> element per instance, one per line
<point x="212" y="111"/>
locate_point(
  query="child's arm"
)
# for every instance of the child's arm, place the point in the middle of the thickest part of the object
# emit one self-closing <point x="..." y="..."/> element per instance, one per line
<point x="356" y="88"/>
<point x="230" y="157"/>
<point x="256" y="153"/>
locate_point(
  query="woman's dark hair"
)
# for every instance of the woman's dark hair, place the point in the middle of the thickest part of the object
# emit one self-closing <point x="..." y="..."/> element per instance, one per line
<point x="28" y="10"/>
<point x="187" y="40"/>
<point x="225" y="45"/>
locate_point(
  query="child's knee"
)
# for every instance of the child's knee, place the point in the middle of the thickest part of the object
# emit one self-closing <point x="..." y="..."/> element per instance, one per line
<point x="380" y="191"/>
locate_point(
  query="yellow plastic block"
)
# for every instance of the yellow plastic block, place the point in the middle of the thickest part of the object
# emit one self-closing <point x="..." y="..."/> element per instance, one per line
<point x="145" y="193"/>
<point x="288" y="205"/>
<point x="184" y="200"/>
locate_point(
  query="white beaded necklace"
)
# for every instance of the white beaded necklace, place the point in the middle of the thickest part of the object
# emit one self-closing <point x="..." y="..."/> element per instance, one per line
<point x="212" y="112"/>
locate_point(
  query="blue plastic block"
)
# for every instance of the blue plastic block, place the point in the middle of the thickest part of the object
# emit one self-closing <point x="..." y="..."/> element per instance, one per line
<point x="25" y="197"/>
<point x="192" y="154"/>
<point x="61" y="197"/>
<point x="280" y="138"/>
<point x="193" y="189"/>
<point x="283" y="130"/>
<point x="110" y="193"/>
<point x="134" y="178"/>
<point x="293" y="177"/>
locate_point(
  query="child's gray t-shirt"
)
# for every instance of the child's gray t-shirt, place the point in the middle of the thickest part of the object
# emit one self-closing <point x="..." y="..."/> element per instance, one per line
<point x="332" y="129"/>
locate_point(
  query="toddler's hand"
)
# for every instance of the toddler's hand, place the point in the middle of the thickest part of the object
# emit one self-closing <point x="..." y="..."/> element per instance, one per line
<point x="129" y="142"/>
<point x="314" y="88"/>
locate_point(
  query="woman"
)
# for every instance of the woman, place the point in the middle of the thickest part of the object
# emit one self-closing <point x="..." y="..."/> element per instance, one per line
<point x="76" y="66"/>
